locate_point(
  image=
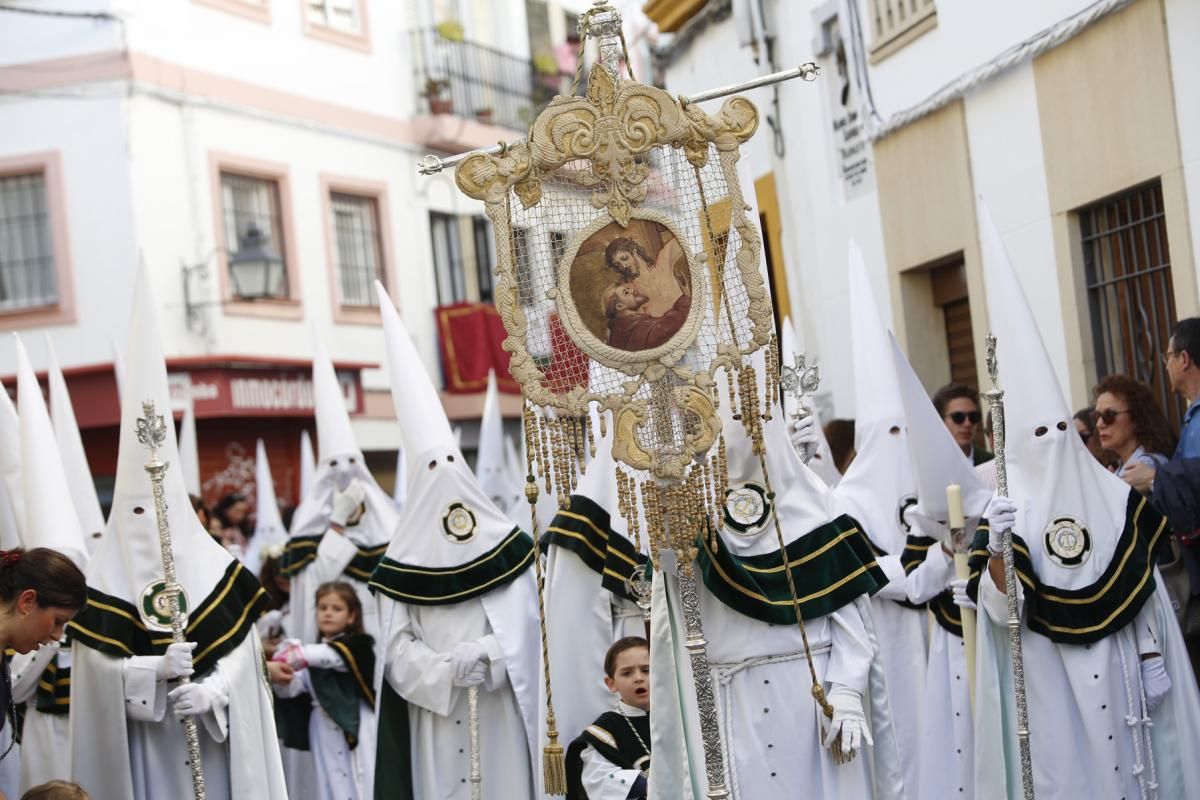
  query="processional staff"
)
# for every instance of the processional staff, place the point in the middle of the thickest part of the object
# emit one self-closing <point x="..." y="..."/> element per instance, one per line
<point x="995" y="398"/>
<point x="151" y="433"/>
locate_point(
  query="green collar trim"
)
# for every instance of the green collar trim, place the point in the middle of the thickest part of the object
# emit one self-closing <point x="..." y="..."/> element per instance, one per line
<point x="302" y="551"/>
<point x="114" y="627"/>
<point x="585" y="529"/>
<point x="943" y="608"/>
<point x="437" y="586"/>
<point x="1086" y="615"/>
<point x="830" y="565"/>
<point x="54" y="689"/>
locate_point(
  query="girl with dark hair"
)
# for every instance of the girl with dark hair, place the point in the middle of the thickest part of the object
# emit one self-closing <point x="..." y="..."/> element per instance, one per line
<point x="1130" y="423"/>
<point x="329" y="705"/>
<point x="40" y="591"/>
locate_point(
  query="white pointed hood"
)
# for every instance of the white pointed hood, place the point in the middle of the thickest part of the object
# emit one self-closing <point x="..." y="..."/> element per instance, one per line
<point x="128" y="559"/>
<point x="341" y="462"/>
<point x="308" y="463"/>
<point x="803" y="502"/>
<point x="490" y="466"/>
<point x="270" y="536"/>
<point x="1050" y="472"/>
<point x="400" y="489"/>
<point x="879" y="483"/>
<point x="189" y="450"/>
<point x="44" y="481"/>
<point x="822" y="460"/>
<point x="937" y="459"/>
<point x="448" y="519"/>
<point x="335" y="437"/>
<point x="74" y="458"/>
<point x="10" y="468"/>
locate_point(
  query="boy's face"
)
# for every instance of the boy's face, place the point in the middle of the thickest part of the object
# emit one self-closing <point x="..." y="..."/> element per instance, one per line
<point x="631" y="678"/>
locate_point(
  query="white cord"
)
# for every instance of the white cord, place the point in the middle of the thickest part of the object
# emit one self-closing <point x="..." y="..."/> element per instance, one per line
<point x="1148" y="726"/>
<point x="1132" y="719"/>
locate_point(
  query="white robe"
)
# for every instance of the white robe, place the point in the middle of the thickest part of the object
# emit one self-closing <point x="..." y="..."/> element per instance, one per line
<point x="771" y="728"/>
<point x="420" y="640"/>
<point x="126" y="743"/>
<point x="44" y="737"/>
<point x="334" y="554"/>
<point x="342" y="773"/>
<point x="947" y="728"/>
<point x="1081" y="743"/>
<point x="299" y="769"/>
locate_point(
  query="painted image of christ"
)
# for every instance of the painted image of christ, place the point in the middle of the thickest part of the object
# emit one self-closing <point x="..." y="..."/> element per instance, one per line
<point x="649" y="298"/>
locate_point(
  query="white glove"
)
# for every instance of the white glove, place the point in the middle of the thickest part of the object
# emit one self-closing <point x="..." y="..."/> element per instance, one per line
<point x="1001" y="514"/>
<point x="475" y="676"/>
<point x="176" y="662"/>
<point x="1155" y="681"/>
<point x="803" y="433"/>
<point x="347" y="502"/>
<point x="961" y="599"/>
<point x="466" y="659"/>
<point x="848" y="720"/>
<point x="191" y="699"/>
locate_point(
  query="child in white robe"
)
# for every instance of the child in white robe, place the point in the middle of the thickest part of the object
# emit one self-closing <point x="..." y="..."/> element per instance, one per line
<point x="333" y="679"/>
<point x="610" y="760"/>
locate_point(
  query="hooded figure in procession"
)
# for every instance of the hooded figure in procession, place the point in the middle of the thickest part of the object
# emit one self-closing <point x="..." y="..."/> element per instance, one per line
<point x="1114" y="710"/>
<point x="775" y="736"/>
<point x="126" y="740"/>
<point x="12" y="525"/>
<point x="42" y="678"/>
<point x="458" y="611"/>
<point x="342" y="526"/>
<point x="492" y="466"/>
<point x="270" y="537"/>
<point x="74" y="458"/>
<point x="946" y="738"/>
<point x="877" y="490"/>
<point x="591" y="556"/>
<point x="821" y="459"/>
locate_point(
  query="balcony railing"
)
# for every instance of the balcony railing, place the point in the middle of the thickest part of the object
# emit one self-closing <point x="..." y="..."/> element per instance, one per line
<point x="476" y="81"/>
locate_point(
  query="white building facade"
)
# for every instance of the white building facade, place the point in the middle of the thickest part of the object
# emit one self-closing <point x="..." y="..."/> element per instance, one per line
<point x="178" y="133"/>
<point x="1076" y="121"/>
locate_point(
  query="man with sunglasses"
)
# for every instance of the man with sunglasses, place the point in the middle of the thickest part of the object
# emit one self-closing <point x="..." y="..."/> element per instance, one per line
<point x="958" y="406"/>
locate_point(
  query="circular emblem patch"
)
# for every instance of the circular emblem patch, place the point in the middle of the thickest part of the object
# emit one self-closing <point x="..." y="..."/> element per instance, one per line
<point x="905" y="504"/>
<point x="458" y="523"/>
<point x="747" y="509"/>
<point x="1068" y="542"/>
<point x="156" y="606"/>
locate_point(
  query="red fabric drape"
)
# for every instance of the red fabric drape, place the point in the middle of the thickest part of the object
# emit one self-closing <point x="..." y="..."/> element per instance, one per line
<point x="471" y="335"/>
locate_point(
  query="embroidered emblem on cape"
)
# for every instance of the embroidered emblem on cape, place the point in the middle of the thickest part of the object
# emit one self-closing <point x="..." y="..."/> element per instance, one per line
<point x="1068" y="542"/>
<point x="156" y="606"/>
<point x="747" y="509"/>
<point x="458" y="523"/>
<point x="905" y="504"/>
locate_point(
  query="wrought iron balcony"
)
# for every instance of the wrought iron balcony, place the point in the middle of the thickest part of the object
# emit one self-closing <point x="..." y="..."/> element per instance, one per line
<point x="471" y="80"/>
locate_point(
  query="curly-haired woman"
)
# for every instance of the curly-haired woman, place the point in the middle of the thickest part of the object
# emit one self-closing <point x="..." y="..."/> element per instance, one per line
<point x="1131" y="423"/>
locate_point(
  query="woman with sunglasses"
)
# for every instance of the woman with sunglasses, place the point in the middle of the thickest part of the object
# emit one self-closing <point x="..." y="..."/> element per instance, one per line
<point x="1130" y="423"/>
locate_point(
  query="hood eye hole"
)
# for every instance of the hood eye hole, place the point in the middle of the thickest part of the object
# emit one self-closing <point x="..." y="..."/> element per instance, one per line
<point x="333" y="462"/>
<point x="450" y="458"/>
<point x="139" y="510"/>
<point x="353" y="460"/>
<point x="433" y="464"/>
<point x="895" y="429"/>
<point x="1062" y="426"/>
<point x="1041" y="430"/>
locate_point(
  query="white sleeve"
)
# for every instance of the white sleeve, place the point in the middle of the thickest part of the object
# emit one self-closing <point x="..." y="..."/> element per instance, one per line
<point x="26" y="670"/>
<point x="145" y="694"/>
<point x="995" y="602"/>
<point x="850" y="652"/>
<point x="894" y="588"/>
<point x="604" y="780"/>
<point x="216" y="719"/>
<point x="496" y="668"/>
<point x="1145" y="628"/>
<point x="930" y="577"/>
<point x="417" y="672"/>
<point x="334" y="554"/>
<point x="323" y="656"/>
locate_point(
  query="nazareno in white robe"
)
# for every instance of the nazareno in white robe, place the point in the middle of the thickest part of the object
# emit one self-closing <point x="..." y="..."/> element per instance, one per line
<point x="947" y="726"/>
<point x="44" y="737"/>
<point x="120" y="702"/>
<point x="420" y="640"/>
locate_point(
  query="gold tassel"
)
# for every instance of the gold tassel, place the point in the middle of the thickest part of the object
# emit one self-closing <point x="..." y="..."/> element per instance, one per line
<point x="554" y="765"/>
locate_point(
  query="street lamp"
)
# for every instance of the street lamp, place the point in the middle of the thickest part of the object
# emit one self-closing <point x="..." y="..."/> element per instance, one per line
<point x="255" y="268"/>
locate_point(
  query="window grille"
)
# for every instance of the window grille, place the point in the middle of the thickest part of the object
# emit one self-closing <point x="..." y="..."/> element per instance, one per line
<point x="27" y="268"/>
<point x="359" y="251"/>
<point x="1127" y="267"/>
<point x="447" y="258"/>
<point x="254" y="202"/>
<point x="342" y="15"/>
